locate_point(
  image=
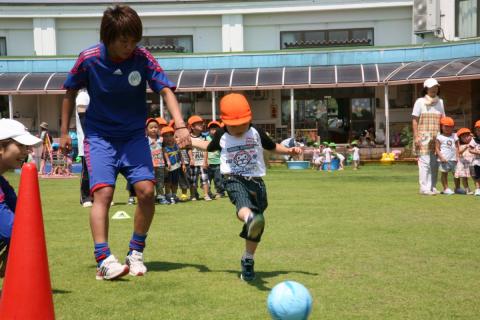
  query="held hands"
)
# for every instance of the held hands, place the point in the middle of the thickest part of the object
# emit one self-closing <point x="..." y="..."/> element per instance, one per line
<point x="295" y="151"/>
<point x="182" y="137"/>
<point x="65" y="143"/>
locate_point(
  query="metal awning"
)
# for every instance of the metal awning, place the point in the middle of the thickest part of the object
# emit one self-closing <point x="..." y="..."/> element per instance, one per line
<point x="275" y="78"/>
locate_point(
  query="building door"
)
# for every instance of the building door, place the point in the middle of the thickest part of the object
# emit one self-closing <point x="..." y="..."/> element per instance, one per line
<point x="362" y="117"/>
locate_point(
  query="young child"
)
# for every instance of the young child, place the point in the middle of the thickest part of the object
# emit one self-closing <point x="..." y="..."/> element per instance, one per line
<point x="15" y="142"/>
<point x="214" y="173"/>
<point x="338" y="155"/>
<point x="173" y="159"/>
<point x="47" y="152"/>
<point x="155" y="143"/>
<point x="327" y="152"/>
<point x="474" y="148"/>
<point x="317" y="159"/>
<point x="465" y="158"/>
<point x="241" y="154"/>
<point x="198" y="160"/>
<point x="115" y="73"/>
<point x="355" y="155"/>
<point x="445" y="148"/>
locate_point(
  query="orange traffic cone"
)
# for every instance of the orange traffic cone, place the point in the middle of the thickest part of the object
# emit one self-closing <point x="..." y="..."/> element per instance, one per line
<point x="27" y="293"/>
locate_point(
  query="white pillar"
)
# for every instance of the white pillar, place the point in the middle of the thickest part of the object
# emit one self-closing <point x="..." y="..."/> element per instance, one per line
<point x="232" y="32"/>
<point x="161" y="107"/>
<point x="37" y="121"/>
<point x="10" y="106"/>
<point x="44" y="36"/>
<point x="292" y="116"/>
<point x="214" y="111"/>
<point x="387" y="120"/>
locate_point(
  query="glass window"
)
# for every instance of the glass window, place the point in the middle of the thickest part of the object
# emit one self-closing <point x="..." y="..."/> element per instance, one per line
<point x="3" y="46"/>
<point x="338" y="35"/>
<point x="466" y="18"/>
<point x="325" y="38"/>
<point x="362" y="34"/>
<point x="168" y="43"/>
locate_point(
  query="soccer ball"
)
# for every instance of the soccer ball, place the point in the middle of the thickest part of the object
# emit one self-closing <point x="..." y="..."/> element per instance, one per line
<point x="289" y="300"/>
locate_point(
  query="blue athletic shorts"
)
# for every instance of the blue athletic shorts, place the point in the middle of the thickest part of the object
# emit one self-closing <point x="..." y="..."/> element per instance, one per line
<point x="107" y="157"/>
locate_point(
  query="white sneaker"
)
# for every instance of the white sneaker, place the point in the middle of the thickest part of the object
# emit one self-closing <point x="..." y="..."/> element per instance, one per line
<point x="434" y="190"/>
<point x="111" y="269"/>
<point x="477" y="192"/>
<point x="448" y="192"/>
<point x="428" y="193"/>
<point x="135" y="262"/>
<point x="87" y="204"/>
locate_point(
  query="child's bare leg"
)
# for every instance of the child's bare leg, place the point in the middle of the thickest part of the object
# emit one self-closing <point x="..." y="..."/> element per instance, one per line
<point x="206" y="190"/>
<point x="250" y="247"/>
<point x="145" y="208"/>
<point x="444" y="179"/>
<point x="99" y="214"/>
<point x="456" y="181"/>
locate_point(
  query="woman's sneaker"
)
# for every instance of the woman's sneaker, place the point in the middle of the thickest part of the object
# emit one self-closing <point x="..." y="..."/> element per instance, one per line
<point x="248" y="272"/>
<point x="135" y="262"/>
<point x="111" y="269"/>
<point x="131" y="201"/>
<point x="448" y="192"/>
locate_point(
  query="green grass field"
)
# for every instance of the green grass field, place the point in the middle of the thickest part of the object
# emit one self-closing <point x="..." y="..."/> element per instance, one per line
<point x="365" y="244"/>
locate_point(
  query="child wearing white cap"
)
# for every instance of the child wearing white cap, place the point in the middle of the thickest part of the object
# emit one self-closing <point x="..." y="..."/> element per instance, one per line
<point x="15" y="141"/>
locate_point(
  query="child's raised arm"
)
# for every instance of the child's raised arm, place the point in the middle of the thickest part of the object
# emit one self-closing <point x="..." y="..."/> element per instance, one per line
<point x="281" y="149"/>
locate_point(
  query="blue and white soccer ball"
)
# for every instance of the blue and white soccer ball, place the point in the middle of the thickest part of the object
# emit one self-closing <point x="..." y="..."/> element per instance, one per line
<point x="289" y="300"/>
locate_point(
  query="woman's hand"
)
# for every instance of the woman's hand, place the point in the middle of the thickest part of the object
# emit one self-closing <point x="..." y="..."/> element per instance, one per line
<point x="182" y="137"/>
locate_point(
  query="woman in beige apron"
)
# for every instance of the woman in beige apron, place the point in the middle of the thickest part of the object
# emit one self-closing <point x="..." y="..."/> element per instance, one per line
<point x="427" y="112"/>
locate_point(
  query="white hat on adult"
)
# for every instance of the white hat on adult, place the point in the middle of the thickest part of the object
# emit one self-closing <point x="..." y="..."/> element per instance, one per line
<point x="12" y="129"/>
<point x="430" y="82"/>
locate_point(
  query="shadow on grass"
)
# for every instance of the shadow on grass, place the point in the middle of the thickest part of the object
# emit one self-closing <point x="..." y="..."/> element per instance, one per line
<point x="59" y="291"/>
<point x="169" y="266"/>
<point x="260" y="277"/>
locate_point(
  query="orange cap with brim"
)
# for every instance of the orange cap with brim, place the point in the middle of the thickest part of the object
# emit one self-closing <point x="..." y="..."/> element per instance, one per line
<point x="214" y="123"/>
<point x="194" y="119"/>
<point x="447" y="121"/>
<point x="166" y="130"/>
<point x="477" y="124"/>
<point x="150" y="120"/>
<point x="161" y="121"/>
<point x="463" y="131"/>
<point x="235" y="110"/>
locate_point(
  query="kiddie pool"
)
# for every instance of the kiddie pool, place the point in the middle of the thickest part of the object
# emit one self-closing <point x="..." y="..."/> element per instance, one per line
<point x="298" y="165"/>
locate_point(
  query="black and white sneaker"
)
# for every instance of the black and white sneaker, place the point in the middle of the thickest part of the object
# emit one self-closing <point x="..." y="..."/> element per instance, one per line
<point x="248" y="272"/>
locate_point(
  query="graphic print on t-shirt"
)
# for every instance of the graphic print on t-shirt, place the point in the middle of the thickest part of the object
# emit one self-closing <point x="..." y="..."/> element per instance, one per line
<point x="243" y="158"/>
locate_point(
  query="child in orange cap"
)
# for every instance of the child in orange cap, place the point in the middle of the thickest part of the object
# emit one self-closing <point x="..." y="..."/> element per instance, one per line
<point x="153" y="129"/>
<point x="465" y="158"/>
<point x="198" y="161"/>
<point x="445" y="148"/>
<point x="241" y="149"/>
<point x="214" y="173"/>
<point x="474" y="148"/>
<point x="174" y="165"/>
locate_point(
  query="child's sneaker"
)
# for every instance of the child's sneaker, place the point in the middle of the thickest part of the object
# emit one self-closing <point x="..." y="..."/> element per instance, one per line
<point x="111" y="269"/>
<point x="184" y="197"/>
<point x="248" y="272"/>
<point x="164" y="201"/>
<point x="135" y="262"/>
<point x="460" y="191"/>
<point x="448" y="192"/>
<point x="255" y="224"/>
<point x="172" y="200"/>
<point x="193" y="198"/>
<point x="219" y="195"/>
<point x="87" y="204"/>
<point x="468" y="191"/>
<point x="131" y="201"/>
<point x="477" y="192"/>
<point x="207" y="198"/>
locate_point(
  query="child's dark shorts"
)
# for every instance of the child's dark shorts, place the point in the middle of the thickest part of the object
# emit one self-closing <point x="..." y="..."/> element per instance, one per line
<point x="475" y="172"/>
<point x="247" y="192"/>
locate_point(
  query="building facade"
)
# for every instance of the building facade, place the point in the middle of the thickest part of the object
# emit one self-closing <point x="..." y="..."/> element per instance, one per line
<point x="197" y="39"/>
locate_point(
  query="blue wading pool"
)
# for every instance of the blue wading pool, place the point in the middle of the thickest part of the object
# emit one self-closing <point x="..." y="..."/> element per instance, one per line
<point x="298" y="165"/>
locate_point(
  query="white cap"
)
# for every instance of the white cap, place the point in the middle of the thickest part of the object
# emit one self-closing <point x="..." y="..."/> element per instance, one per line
<point x="430" y="82"/>
<point x="12" y="129"/>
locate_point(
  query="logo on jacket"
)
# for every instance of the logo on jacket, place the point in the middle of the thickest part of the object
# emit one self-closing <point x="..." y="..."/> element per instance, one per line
<point x="134" y="78"/>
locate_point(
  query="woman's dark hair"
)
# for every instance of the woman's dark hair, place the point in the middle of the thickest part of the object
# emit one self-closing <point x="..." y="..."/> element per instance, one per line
<point x="120" y="21"/>
<point x="425" y="90"/>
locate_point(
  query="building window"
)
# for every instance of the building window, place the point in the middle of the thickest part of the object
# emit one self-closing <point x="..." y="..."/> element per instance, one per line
<point x="466" y="18"/>
<point x="326" y="38"/>
<point x="168" y="43"/>
<point x="3" y="46"/>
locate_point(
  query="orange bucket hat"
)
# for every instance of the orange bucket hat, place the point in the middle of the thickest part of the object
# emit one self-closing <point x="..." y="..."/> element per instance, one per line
<point x="235" y="110"/>
<point x="477" y="124"/>
<point x="166" y="130"/>
<point x="161" y="121"/>
<point x="463" y="131"/>
<point x="214" y="123"/>
<point x="447" y="121"/>
<point x="194" y="119"/>
<point x="150" y="120"/>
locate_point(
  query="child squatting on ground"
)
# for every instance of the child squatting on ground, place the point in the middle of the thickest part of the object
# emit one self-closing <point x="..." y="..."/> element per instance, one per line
<point x="241" y="149"/>
<point x="115" y="73"/>
<point x="15" y="143"/>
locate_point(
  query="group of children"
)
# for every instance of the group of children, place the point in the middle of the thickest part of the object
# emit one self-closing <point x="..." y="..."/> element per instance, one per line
<point x="458" y="153"/>
<point x="325" y="153"/>
<point x="183" y="168"/>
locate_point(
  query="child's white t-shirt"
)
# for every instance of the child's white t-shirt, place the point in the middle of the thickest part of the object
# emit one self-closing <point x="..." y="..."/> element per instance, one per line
<point x="447" y="147"/>
<point x="356" y="153"/>
<point x="476" y="147"/>
<point x="328" y="154"/>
